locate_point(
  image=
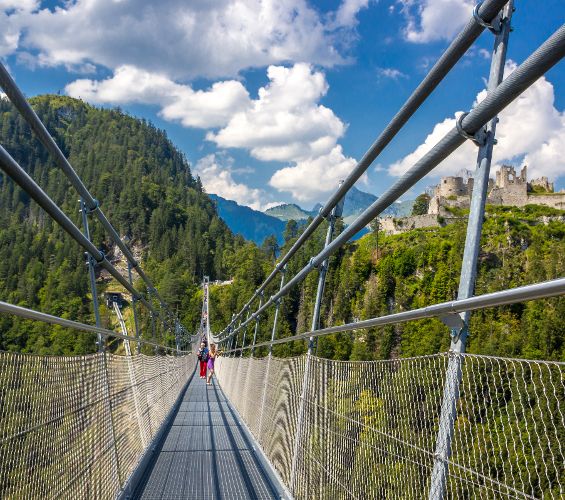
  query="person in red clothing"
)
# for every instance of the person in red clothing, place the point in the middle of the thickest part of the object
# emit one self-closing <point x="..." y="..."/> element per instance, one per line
<point x="203" y="358"/>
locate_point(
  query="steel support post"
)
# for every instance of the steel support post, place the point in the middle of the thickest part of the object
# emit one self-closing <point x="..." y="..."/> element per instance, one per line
<point x="244" y="333"/>
<point x="256" y="325"/>
<point x="152" y="316"/>
<point x="230" y="343"/>
<point x="277" y="307"/>
<point x="134" y="309"/>
<point x="177" y="336"/>
<point x="235" y="334"/>
<point x="335" y="213"/>
<point x="460" y="323"/>
<point x="273" y="334"/>
<point x="91" y="263"/>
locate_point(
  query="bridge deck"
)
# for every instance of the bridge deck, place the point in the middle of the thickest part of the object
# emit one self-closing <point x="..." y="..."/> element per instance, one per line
<point x="204" y="454"/>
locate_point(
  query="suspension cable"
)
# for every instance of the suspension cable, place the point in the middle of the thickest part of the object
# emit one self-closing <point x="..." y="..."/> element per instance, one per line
<point x="539" y="62"/>
<point x="487" y="11"/>
<point x="22" y="105"/>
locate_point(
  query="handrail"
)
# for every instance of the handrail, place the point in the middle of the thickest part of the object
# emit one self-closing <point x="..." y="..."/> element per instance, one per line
<point x="24" y="312"/>
<point x="525" y="293"/>
<point x="539" y="62"/>
<point x="487" y="11"/>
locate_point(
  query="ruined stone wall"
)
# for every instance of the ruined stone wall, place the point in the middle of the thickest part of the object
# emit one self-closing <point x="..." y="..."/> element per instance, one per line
<point x="438" y="203"/>
<point x="392" y="225"/>
<point x="556" y="200"/>
<point x="542" y="182"/>
<point x="512" y="194"/>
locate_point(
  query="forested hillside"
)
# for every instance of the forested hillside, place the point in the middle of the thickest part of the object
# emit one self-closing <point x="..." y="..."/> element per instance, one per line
<point x="383" y="274"/>
<point x="145" y="188"/>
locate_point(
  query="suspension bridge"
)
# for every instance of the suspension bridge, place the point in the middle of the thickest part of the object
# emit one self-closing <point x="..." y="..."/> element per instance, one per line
<point x="141" y="425"/>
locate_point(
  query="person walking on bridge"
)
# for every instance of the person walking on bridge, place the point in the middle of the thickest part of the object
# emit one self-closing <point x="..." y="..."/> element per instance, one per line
<point x="211" y="359"/>
<point x="203" y="358"/>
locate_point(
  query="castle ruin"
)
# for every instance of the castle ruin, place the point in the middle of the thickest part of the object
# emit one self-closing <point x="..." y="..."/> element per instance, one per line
<point x="508" y="188"/>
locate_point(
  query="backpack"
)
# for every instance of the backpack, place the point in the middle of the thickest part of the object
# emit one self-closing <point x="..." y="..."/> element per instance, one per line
<point x="203" y="355"/>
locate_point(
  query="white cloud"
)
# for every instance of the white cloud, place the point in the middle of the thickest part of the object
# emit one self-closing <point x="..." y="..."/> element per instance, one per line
<point x="202" y="108"/>
<point x="19" y="5"/>
<point x="530" y="130"/>
<point x="312" y="178"/>
<point x="180" y="39"/>
<point x="484" y="53"/>
<point x="346" y="14"/>
<point x="285" y="123"/>
<point x="430" y="20"/>
<point x="392" y="73"/>
<point x="215" y="172"/>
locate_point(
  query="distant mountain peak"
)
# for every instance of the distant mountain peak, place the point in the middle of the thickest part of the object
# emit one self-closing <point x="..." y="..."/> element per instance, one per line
<point x="251" y="224"/>
<point x="288" y="211"/>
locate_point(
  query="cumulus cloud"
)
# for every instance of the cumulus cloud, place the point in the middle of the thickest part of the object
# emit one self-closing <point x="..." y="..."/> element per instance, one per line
<point x="11" y="13"/>
<point x="312" y="178"/>
<point x="431" y="20"/>
<point x="203" y="108"/>
<point x="392" y="73"/>
<point x="531" y="130"/>
<point x="181" y="39"/>
<point x="216" y="174"/>
<point x="286" y="122"/>
<point x="346" y="14"/>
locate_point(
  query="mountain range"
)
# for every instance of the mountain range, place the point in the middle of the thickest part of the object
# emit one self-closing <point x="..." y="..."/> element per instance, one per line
<point x="256" y="226"/>
<point x="251" y="224"/>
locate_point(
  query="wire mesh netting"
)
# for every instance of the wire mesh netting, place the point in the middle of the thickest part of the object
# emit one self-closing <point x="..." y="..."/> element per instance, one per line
<point x="369" y="429"/>
<point x="75" y="427"/>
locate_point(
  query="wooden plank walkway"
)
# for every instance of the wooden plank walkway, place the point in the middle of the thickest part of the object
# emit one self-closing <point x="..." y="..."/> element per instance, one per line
<point x="205" y="455"/>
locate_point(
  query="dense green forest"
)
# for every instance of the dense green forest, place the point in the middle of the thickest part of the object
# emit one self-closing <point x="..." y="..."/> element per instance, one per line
<point x="147" y="190"/>
<point x="381" y="274"/>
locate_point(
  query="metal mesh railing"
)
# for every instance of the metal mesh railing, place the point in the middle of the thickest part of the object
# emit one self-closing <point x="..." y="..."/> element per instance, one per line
<point x="76" y="427"/>
<point x="369" y="429"/>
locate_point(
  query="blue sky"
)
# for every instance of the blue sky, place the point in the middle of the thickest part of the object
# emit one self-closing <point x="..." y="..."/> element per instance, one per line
<point x="275" y="100"/>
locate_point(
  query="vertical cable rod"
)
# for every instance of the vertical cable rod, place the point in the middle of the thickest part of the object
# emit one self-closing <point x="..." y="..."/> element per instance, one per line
<point x="91" y="263"/>
<point x="460" y="323"/>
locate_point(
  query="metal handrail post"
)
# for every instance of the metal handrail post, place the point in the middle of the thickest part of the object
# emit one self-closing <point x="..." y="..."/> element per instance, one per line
<point x="134" y="309"/>
<point x="273" y="334"/>
<point x="234" y="338"/>
<point x="152" y="316"/>
<point x="257" y="319"/>
<point x="91" y="263"/>
<point x="335" y="213"/>
<point x="244" y="334"/>
<point x="460" y="323"/>
<point x="277" y="307"/>
<point x="177" y="336"/>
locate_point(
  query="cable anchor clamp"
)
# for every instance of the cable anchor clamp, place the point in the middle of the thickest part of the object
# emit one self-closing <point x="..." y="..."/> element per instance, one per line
<point x="481" y="22"/>
<point x="96" y="206"/>
<point x="479" y="138"/>
<point x="102" y="257"/>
